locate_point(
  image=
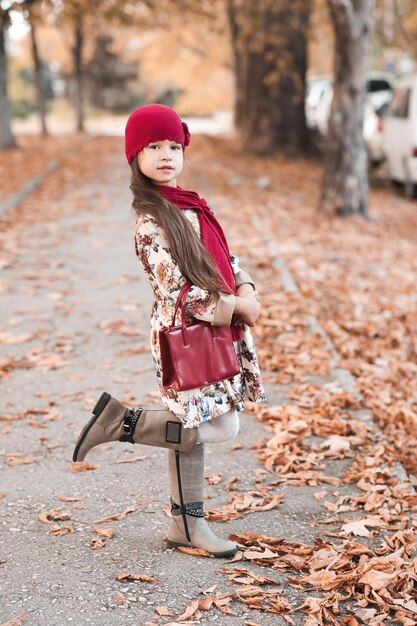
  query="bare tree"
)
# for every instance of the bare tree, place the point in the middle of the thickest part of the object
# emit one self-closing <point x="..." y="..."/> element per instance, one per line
<point x="345" y="180"/>
<point x="32" y="12"/>
<point x="6" y="136"/>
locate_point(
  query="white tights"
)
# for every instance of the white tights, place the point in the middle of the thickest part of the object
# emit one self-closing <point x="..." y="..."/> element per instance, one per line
<point x="220" y="428"/>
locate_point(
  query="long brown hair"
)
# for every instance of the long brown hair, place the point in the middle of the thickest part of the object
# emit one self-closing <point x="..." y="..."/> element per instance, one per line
<point x="186" y="248"/>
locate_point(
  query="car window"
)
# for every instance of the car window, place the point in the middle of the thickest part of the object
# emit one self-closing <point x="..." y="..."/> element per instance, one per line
<point x="377" y="84"/>
<point x="399" y="104"/>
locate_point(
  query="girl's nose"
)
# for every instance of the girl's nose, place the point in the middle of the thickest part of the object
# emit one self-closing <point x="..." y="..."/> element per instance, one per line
<point x="166" y="154"/>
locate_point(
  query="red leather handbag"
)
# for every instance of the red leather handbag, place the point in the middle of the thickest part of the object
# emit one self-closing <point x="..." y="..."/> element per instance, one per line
<point x="197" y="354"/>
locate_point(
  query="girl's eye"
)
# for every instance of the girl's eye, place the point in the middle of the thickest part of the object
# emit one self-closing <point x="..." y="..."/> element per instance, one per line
<point x="178" y="147"/>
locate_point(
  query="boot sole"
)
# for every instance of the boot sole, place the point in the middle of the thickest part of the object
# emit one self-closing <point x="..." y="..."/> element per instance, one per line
<point x="175" y="544"/>
<point x="101" y="404"/>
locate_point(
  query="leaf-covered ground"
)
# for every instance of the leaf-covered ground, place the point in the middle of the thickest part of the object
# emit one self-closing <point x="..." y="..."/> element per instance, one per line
<point x="337" y="342"/>
<point x="29" y="158"/>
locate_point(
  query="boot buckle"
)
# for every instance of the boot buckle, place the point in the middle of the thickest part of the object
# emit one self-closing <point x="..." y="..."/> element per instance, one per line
<point x="129" y="422"/>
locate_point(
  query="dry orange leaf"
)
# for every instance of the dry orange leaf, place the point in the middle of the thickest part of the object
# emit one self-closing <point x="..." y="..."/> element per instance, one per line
<point x="81" y="466"/>
<point x="116" y="516"/>
<point x="214" y="479"/>
<point x="163" y="610"/>
<point x="192" y="610"/>
<point x="16" y="621"/>
<point x="194" y="551"/>
<point x="359" y="526"/>
<point x="132" y="460"/>
<point x="61" y="529"/>
<point x="43" y="517"/>
<point x="97" y="543"/>
<point x="141" y="577"/>
<point x="14" y="458"/>
<point x="58" y="515"/>
<point x="377" y="579"/>
<point x="106" y="532"/>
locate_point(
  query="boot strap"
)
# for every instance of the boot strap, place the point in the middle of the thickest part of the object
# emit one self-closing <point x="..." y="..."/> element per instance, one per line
<point x="129" y="422"/>
<point x="195" y="509"/>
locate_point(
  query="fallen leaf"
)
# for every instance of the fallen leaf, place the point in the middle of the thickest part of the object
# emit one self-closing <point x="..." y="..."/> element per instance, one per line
<point x="140" y="577"/>
<point x="191" y="609"/>
<point x="107" y="532"/>
<point x="194" y="551"/>
<point x="132" y="460"/>
<point x="43" y="517"/>
<point x="81" y="466"/>
<point x="61" y="529"/>
<point x="14" y="458"/>
<point x="359" y="526"/>
<point x="254" y="554"/>
<point x="116" y="516"/>
<point x="230" y="484"/>
<point x="7" y="338"/>
<point x="214" y="479"/>
<point x="16" y="621"/>
<point x="97" y="543"/>
<point x="377" y="580"/>
<point x="336" y="443"/>
<point x="58" y="515"/>
<point x="163" y="610"/>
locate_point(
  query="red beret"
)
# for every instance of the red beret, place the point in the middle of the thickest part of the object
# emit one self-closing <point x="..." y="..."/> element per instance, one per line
<point x="153" y="122"/>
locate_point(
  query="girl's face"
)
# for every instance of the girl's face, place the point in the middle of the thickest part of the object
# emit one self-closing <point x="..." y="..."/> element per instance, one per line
<point x="162" y="162"/>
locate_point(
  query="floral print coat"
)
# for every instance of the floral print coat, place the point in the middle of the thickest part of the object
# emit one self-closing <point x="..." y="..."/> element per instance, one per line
<point x="198" y="405"/>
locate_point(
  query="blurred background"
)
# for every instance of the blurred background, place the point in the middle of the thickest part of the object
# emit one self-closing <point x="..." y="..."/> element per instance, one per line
<point x="299" y="78"/>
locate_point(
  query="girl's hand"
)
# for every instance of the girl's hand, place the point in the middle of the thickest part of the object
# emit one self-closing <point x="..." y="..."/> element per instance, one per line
<point x="248" y="308"/>
<point x="246" y="290"/>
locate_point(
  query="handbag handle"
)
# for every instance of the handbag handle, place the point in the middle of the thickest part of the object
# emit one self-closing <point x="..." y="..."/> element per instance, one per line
<point x="182" y="299"/>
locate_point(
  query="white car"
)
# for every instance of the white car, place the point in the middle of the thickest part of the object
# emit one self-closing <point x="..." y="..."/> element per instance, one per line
<point x="379" y="88"/>
<point x="373" y="132"/>
<point x="317" y="88"/>
<point x="400" y="134"/>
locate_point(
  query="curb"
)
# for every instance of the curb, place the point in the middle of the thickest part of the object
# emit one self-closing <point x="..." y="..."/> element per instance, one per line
<point x="29" y="186"/>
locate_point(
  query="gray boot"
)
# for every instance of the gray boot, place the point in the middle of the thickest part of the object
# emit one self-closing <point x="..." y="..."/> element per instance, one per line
<point x="113" y="421"/>
<point x="188" y="526"/>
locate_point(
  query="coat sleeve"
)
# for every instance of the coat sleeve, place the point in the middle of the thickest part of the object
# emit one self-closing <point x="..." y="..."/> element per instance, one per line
<point x="241" y="277"/>
<point x="153" y="252"/>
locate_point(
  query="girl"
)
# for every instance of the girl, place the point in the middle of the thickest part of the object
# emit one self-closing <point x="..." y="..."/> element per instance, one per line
<point x="179" y="240"/>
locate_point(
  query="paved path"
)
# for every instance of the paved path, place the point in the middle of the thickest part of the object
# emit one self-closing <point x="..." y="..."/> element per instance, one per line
<point x="77" y="278"/>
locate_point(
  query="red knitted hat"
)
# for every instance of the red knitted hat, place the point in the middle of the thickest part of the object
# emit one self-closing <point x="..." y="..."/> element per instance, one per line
<point x="153" y="122"/>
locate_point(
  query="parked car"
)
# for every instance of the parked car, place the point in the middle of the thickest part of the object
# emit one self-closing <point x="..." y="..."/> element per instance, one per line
<point x="317" y="88"/>
<point x="373" y="132"/>
<point x="379" y="89"/>
<point x="400" y="134"/>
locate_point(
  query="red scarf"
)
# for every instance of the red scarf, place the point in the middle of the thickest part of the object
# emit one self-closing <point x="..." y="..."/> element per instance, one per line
<point x="212" y="234"/>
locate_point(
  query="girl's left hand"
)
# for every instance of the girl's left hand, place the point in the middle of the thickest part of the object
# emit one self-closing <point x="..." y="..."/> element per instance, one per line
<point x="247" y="290"/>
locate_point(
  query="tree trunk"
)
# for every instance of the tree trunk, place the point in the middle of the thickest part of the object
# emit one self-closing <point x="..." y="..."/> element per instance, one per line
<point x="269" y="40"/>
<point x="6" y="136"/>
<point x="345" y="180"/>
<point x="40" y="97"/>
<point x="79" y="77"/>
